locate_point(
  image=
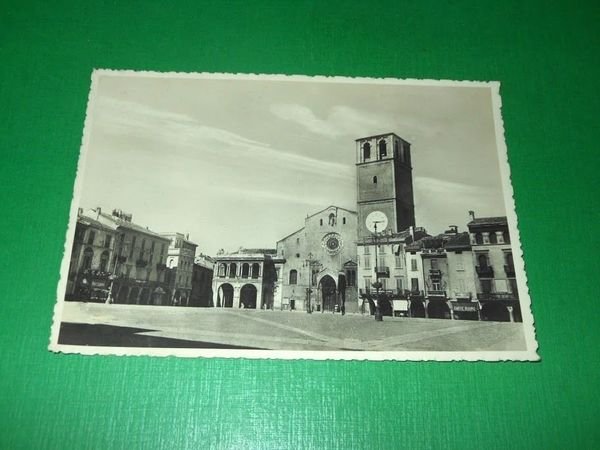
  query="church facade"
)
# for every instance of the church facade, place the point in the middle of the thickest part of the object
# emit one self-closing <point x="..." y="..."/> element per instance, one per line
<point x="319" y="272"/>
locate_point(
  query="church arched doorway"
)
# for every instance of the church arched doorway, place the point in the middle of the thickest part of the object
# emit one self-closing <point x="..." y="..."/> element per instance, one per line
<point x="495" y="311"/>
<point x="248" y="296"/>
<point x="225" y="296"/>
<point x="328" y="293"/>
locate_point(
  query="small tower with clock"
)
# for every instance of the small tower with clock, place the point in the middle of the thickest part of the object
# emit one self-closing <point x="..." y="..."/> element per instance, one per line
<point x="384" y="184"/>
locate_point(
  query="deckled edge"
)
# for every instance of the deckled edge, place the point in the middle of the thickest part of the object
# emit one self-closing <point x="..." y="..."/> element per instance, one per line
<point x="528" y="355"/>
<point x="75" y="200"/>
<point x="513" y="224"/>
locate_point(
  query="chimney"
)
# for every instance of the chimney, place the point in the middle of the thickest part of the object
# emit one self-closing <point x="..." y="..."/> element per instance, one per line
<point x="187" y="236"/>
<point x="472" y="214"/>
<point x="452" y="229"/>
<point x="98" y="211"/>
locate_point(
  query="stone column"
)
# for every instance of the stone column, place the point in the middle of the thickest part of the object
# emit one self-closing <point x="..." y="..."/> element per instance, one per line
<point x="236" y="297"/>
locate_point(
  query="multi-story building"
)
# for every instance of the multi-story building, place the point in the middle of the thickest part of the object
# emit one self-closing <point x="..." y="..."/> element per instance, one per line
<point x="442" y="276"/>
<point x="90" y="269"/>
<point x="247" y="278"/>
<point x="319" y="263"/>
<point x="202" y="275"/>
<point x="495" y="271"/>
<point x="180" y="267"/>
<point x="461" y="277"/>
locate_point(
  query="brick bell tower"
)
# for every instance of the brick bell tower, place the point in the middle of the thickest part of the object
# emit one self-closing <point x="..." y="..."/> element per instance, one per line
<point x="384" y="182"/>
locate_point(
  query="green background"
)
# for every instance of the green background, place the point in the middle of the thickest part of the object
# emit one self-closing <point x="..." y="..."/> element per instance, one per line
<point x="544" y="53"/>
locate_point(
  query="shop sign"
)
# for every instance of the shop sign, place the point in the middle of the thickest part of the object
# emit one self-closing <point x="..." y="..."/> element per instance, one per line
<point x="465" y="307"/>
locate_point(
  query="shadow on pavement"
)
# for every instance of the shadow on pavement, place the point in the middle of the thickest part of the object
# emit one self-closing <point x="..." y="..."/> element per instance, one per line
<point x="113" y="336"/>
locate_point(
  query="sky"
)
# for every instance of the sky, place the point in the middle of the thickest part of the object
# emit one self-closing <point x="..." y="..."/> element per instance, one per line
<point x="241" y="163"/>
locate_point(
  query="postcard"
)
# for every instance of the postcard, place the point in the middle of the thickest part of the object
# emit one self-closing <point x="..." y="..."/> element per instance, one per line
<point x="293" y="217"/>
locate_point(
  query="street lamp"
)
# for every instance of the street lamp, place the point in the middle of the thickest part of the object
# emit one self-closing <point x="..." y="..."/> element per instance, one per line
<point x="377" y="285"/>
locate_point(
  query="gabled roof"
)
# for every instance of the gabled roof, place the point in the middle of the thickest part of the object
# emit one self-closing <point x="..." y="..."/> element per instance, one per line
<point x="331" y="206"/>
<point x="120" y="223"/>
<point x="290" y="235"/>
<point x="459" y="241"/>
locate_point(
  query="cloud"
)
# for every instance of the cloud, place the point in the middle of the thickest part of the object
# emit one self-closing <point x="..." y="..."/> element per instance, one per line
<point x="183" y="136"/>
<point x="341" y="120"/>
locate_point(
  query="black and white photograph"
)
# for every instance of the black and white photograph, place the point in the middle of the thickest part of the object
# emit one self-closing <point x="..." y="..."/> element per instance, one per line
<point x="293" y="217"/>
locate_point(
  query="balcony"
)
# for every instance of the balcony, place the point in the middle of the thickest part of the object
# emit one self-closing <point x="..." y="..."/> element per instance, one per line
<point x="435" y="273"/>
<point x="436" y="293"/>
<point x="509" y="271"/>
<point x="463" y="296"/>
<point x="382" y="271"/>
<point x="485" y="271"/>
<point x="141" y="263"/>
<point x="497" y="296"/>
<point x="417" y="295"/>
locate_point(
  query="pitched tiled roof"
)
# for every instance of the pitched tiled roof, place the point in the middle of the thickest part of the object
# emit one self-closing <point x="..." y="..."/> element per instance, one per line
<point x="488" y="221"/>
<point x="458" y="241"/>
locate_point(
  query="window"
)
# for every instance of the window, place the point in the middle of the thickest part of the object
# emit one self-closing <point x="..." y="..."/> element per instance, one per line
<point x="486" y="238"/>
<point x="297" y="240"/>
<point x="381" y="261"/>
<point x="245" y="270"/>
<point x="255" y="270"/>
<point x="461" y="285"/>
<point x="107" y="240"/>
<point x="436" y="286"/>
<point x="332" y="219"/>
<point x="142" y="248"/>
<point x="398" y="262"/>
<point x="91" y="237"/>
<point x="368" y="284"/>
<point x="383" y="282"/>
<point x="132" y="247"/>
<point x="293" y="276"/>
<point x="321" y="222"/>
<point x="350" y="277"/>
<point x="172" y="263"/>
<point x="343" y="221"/>
<point x="486" y="286"/>
<point x="367" y="250"/>
<point x="222" y="268"/>
<point x="413" y="264"/>
<point x="399" y="284"/>
<point x="313" y="278"/>
<point x="232" y="270"/>
<point x="381" y="249"/>
<point x="367" y="261"/>
<point x="104" y="261"/>
<point x="382" y="149"/>
<point x="414" y="284"/>
<point x="434" y="264"/>
<point x="162" y="248"/>
<point x="509" y="260"/>
<point x="375" y="179"/>
<point x="478" y="238"/>
<point x="500" y="237"/>
<point x="366" y="151"/>
<point x="297" y="255"/>
<point x="506" y="237"/>
<point x="88" y="256"/>
<point x="482" y="260"/>
<point x="493" y="238"/>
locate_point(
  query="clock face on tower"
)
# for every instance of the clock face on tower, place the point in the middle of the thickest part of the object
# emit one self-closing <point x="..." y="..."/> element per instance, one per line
<point x="376" y="222"/>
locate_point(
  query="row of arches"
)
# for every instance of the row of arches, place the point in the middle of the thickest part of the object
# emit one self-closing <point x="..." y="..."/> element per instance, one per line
<point x="248" y="296"/>
<point x="245" y="270"/>
<point x="490" y="311"/>
<point x="88" y="258"/>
